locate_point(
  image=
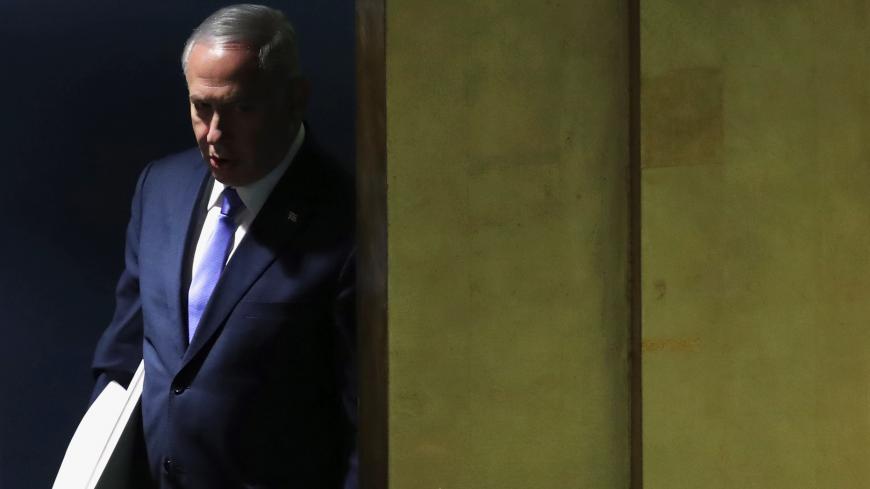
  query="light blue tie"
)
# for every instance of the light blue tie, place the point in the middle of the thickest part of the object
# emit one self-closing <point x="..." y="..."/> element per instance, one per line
<point x="206" y="276"/>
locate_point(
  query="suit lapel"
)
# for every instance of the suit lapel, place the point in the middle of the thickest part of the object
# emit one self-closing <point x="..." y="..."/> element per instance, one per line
<point x="282" y="216"/>
<point x="183" y="211"/>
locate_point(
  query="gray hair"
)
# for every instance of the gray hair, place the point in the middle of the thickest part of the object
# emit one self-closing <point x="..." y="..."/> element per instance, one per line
<point x="264" y="29"/>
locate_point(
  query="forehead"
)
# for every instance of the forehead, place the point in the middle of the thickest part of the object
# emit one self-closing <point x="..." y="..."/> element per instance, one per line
<point x="222" y="67"/>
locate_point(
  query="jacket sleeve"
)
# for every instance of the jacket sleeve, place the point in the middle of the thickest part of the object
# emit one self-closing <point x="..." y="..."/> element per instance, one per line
<point x="346" y="345"/>
<point x="119" y="349"/>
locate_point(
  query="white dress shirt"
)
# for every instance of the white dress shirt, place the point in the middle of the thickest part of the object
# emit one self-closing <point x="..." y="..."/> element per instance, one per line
<point x="253" y="195"/>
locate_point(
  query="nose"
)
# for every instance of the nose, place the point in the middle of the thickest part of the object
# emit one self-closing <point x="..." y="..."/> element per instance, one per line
<point x="216" y="129"/>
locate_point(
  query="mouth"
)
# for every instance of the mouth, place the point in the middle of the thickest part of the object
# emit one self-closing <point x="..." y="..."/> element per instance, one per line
<point x="217" y="161"/>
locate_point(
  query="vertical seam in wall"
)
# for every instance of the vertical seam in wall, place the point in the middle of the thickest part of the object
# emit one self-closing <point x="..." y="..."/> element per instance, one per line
<point x="372" y="260"/>
<point x="634" y="195"/>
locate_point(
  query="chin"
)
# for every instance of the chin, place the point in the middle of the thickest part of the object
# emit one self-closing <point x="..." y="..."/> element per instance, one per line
<point x="224" y="176"/>
<point x="225" y="179"/>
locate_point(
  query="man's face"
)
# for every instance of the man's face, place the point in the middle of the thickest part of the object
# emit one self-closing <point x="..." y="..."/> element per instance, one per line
<point x="241" y="118"/>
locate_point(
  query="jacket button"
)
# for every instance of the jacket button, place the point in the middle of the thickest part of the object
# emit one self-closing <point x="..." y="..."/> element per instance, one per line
<point x="178" y="389"/>
<point x="168" y="465"/>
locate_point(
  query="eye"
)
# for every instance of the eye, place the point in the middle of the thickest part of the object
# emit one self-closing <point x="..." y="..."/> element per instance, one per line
<point x="200" y="106"/>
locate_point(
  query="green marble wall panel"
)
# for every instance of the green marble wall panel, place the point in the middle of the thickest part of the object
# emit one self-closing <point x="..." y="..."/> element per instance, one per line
<point x="507" y="155"/>
<point x="756" y="231"/>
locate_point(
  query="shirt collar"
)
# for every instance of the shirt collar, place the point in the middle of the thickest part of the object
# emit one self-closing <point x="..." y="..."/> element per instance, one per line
<point x="254" y="194"/>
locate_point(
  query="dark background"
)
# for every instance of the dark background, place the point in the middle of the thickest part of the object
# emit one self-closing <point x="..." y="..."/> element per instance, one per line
<point x="92" y="91"/>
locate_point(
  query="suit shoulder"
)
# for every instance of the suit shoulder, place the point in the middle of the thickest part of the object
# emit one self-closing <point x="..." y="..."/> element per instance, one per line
<point x="329" y="180"/>
<point x="333" y="187"/>
<point x="173" y="168"/>
<point x="181" y="161"/>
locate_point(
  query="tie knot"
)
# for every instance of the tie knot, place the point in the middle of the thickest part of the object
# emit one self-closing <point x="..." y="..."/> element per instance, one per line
<point x="231" y="204"/>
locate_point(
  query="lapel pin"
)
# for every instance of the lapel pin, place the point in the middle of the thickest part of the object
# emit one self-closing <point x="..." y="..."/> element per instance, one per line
<point x="292" y="216"/>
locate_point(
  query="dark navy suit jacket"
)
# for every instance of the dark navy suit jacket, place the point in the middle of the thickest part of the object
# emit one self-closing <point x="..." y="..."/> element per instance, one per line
<point x="265" y="395"/>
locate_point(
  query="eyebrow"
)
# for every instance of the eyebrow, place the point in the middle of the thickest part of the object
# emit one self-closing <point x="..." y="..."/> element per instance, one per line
<point x="234" y="99"/>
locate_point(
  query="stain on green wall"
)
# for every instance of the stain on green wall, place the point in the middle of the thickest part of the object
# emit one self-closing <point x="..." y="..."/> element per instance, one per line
<point x="683" y="124"/>
<point x="507" y="129"/>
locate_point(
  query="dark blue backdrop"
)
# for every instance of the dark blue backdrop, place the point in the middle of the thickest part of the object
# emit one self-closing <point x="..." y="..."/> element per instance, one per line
<point x="91" y="91"/>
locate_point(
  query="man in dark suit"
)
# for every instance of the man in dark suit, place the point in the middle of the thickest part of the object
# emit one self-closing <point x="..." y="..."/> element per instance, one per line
<point x="238" y="289"/>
